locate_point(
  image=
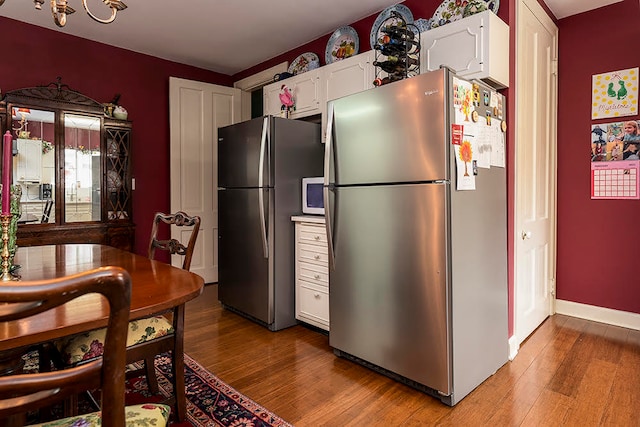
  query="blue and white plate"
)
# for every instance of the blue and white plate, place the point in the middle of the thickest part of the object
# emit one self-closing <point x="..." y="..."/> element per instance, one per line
<point x="385" y="19"/>
<point x="343" y="43"/>
<point x="454" y="10"/>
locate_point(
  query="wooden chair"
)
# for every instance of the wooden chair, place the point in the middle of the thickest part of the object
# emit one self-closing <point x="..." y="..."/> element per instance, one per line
<point x="155" y="335"/>
<point x="22" y="393"/>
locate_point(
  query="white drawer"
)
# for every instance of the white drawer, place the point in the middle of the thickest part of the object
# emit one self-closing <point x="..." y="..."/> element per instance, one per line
<point x="316" y="274"/>
<point x="312" y="234"/>
<point x="312" y="305"/>
<point x="313" y="254"/>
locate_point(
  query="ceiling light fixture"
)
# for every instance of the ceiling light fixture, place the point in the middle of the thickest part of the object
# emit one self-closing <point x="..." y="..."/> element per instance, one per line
<point x="60" y="9"/>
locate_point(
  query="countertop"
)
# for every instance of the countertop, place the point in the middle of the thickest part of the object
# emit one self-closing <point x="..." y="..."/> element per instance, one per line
<point x="318" y="219"/>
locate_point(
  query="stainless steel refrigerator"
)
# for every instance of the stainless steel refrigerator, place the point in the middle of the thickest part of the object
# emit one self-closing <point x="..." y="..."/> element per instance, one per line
<point x="418" y="268"/>
<point x="260" y="166"/>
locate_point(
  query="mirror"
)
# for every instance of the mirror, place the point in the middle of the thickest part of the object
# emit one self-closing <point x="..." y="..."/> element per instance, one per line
<point x="34" y="162"/>
<point x="81" y="168"/>
<point x="34" y="166"/>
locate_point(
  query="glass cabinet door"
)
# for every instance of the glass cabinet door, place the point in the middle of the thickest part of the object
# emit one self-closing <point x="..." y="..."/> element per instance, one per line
<point x="118" y="200"/>
<point x="81" y="168"/>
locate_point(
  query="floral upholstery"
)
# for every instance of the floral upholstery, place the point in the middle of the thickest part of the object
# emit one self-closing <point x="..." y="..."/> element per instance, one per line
<point x="147" y="414"/>
<point x="89" y="345"/>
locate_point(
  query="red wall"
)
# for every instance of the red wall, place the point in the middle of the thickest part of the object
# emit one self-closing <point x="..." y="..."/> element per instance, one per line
<point x="37" y="56"/>
<point x="598" y="240"/>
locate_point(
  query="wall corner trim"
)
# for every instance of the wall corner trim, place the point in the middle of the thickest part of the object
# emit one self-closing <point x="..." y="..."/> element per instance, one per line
<point x="599" y="314"/>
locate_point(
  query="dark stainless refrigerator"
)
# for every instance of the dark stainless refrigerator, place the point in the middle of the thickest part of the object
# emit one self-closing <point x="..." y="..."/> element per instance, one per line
<point x="418" y="268"/>
<point x="260" y="166"/>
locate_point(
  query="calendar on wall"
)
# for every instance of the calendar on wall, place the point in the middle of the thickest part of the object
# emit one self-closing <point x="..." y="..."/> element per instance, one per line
<point x="615" y="180"/>
<point x="615" y="160"/>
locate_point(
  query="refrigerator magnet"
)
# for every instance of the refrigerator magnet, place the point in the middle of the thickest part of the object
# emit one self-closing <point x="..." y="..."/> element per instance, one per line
<point x="474" y="165"/>
<point x="503" y="126"/>
<point x="485" y="98"/>
<point x="474" y="116"/>
<point x="488" y="118"/>
<point x="457" y="132"/>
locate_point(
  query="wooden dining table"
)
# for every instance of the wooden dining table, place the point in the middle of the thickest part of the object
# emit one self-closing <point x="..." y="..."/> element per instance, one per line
<point x="155" y="287"/>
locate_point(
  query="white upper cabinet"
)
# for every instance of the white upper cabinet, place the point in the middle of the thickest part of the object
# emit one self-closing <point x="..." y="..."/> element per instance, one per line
<point x="476" y="47"/>
<point x="346" y="77"/>
<point x="29" y="161"/>
<point x="306" y="92"/>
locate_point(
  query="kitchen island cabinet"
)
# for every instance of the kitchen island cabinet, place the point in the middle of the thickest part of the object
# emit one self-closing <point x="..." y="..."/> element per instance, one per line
<point x="311" y="271"/>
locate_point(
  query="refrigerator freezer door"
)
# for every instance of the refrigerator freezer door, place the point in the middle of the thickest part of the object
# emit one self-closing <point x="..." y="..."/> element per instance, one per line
<point x="394" y="133"/>
<point x="388" y="285"/>
<point x="244" y="274"/>
<point x="239" y="148"/>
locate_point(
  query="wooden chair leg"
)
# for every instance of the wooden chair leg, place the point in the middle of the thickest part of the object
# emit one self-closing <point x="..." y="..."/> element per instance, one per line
<point x="178" y="366"/>
<point x="150" y="372"/>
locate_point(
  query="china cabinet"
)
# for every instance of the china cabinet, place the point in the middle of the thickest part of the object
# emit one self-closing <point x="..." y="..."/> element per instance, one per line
<point x="69" y="151"/>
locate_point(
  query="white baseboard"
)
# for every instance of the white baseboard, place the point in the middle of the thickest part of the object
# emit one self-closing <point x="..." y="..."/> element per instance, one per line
<point x="513" y="347"/>
<point x="598" y="314"/>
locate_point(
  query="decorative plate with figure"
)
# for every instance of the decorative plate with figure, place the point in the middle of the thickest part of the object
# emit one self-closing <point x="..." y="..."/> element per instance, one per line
<point x="454" y="10"/>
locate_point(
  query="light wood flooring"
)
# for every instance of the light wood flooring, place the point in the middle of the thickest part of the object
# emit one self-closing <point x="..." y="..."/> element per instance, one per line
<point x="570" y="372"/>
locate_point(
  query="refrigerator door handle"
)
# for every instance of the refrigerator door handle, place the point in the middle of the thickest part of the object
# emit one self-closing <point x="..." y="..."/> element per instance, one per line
<point x="263" y="225"/>
<point x="325" y="189"/>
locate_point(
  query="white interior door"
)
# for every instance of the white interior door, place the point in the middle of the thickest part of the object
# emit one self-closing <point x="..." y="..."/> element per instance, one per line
<point x="535" y="182"/>
<point x="196" y="111"/>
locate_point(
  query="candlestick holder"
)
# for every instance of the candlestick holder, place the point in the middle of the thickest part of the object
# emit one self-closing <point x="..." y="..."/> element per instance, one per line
<point x="5" y="222"/>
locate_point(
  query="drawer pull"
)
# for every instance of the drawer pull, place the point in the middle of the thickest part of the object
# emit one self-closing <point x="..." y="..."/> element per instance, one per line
<point x="317" y="276"/>
<point x="317" y="257"/>
<point x="316" y="237"/>
<point x="316" y="295"/>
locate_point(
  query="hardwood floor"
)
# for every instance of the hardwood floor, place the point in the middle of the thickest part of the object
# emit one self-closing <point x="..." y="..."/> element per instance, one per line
<point x="569" y="372"/>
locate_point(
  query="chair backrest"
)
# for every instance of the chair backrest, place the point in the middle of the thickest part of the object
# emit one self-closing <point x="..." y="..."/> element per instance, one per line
<point x="25" y="392"/>
<point x="173" y="246"/>
<point x="46" y="212"/>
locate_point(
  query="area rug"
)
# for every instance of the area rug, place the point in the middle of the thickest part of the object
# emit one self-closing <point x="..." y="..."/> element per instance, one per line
<point x="210" y="401"/>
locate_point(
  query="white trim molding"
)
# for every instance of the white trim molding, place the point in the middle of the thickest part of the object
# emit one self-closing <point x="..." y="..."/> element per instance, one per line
<point x="514" y="346"/>
<point x="599" y="314"/>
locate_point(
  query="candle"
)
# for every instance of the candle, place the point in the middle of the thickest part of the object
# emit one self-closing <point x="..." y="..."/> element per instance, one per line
<point x="7" y="159"/>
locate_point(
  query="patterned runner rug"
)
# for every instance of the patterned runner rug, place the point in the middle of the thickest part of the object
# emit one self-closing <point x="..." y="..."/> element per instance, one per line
<point x="210" y="401"/>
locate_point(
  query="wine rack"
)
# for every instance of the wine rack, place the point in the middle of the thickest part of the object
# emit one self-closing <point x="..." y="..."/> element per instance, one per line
<point x="397" y="51"/>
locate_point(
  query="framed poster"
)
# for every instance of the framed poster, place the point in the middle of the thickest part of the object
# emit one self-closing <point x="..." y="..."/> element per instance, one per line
<point x="614" y="94"/>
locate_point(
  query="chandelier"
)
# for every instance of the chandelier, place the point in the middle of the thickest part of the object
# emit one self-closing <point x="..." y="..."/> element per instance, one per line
<point x="60" y="9"/>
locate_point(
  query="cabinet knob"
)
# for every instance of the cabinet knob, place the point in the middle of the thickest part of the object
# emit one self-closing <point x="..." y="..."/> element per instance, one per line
<point x="316" y="237"/>
<point x="316" y="295"/>
<point x="317" y="276"/>
<point x="317" y="257"/>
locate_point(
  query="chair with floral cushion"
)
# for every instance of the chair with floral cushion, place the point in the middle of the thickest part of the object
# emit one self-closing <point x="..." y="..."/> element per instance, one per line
<point x="26" y="392"/>
<point x="154" y="335"/>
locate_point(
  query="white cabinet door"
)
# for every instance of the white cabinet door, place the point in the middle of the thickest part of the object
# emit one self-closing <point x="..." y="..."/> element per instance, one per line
<point x="346" y="77"/>
<point x="306" y="92"/>
<point x="29" y="158"/>
<point x="476" y="47"/>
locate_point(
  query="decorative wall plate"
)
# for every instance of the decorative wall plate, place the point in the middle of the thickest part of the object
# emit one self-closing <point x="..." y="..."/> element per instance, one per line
<point x="343" y="43"/>
<point x="454" y="10"/>
<point x="385" y="19"/>
<point x="304" y="62"/>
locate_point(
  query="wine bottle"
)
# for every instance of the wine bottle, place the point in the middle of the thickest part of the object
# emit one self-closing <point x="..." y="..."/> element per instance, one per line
<point x="388" y="49"/>
<point x="410" y="46"/>
<point x="389" y="79"/>
<point x="408" y="61"/>
<point x="398" y="31"/>
<point x="390" y="67"/>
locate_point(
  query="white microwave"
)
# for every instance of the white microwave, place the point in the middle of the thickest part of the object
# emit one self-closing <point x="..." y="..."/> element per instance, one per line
<point x="312" y="195"/>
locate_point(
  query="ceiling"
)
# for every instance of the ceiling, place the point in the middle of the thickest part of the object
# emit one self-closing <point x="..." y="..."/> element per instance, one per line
<point x="227" y="36"/>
